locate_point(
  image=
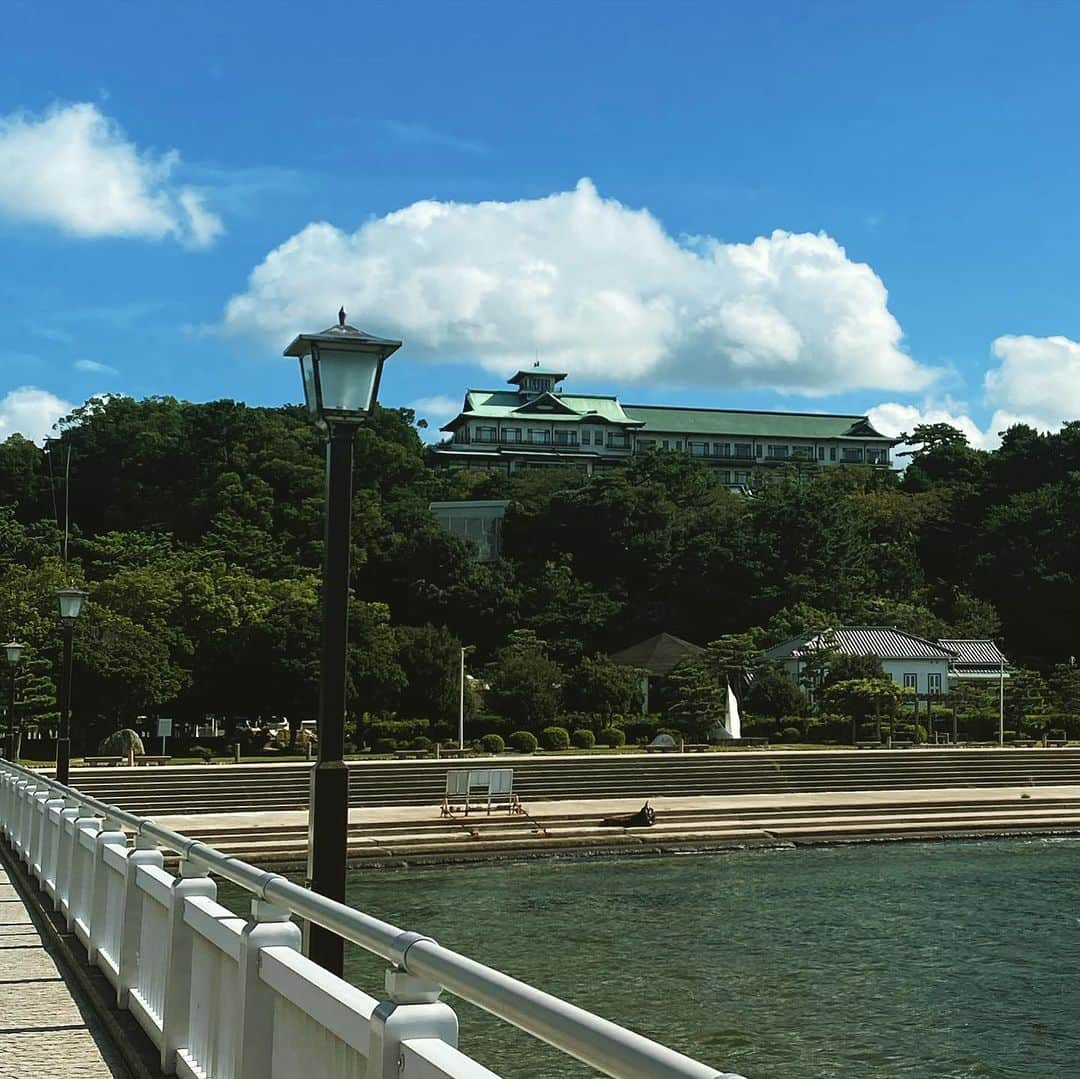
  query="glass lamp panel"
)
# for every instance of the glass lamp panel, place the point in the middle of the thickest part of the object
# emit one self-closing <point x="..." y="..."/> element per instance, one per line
<point x="347" y="381"/>
<point x="71" y="602"/>
<point x="307" y="372"/>
<point x="14" y="651"/>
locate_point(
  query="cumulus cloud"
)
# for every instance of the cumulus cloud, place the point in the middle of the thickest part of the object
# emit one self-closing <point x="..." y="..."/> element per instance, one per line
<point x="31" y="412"/>
<point x="436" y="410"/>
<point x="895" y="419"/>
<point x="94" y="368"/>
<point x="593" y="287"/>
<point x="1038" y="381"/>
<point x="73" y="168"/>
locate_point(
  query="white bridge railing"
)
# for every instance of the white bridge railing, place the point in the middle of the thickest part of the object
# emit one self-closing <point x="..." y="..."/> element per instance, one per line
<point x="224" y="997"/>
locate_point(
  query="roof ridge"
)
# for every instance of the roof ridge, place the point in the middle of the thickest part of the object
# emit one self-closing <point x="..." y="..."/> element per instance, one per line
<point x="757" y="411"/>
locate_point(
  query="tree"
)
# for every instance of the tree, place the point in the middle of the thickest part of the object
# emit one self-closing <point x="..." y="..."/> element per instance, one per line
<point x="430" y="658"/>
<point x="731" y="659"/>
<point x="774" y="693"/>
<point x="860" y="698"/>
<point x="524" y="684"/>
<point x="601" y="687"/>
<point x="698" y="702"/>
<point x="845" y="668"/>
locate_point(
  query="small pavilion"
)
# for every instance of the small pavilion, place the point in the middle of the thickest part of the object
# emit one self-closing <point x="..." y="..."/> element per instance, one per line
<point x="657" y="656"/>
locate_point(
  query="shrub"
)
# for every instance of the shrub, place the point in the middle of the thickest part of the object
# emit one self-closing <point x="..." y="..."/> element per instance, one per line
<point x="612" y="736"/>
<point x="206" y="755"/>
<point x="492" y="743"/>
<point x="555" y="738"/>
<point x="384" y="745"/>
<point x="350" y="747"/>
<point x="583" y="739"/>
<point x="523" y="742"/>
<point x="121" y="743"/>
<point x="791" y="734"/>
<point x="421" y="743"/>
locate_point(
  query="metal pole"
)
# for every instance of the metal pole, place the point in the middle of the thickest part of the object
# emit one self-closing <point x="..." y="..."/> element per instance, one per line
<point x="13" y="746"/>
<point x="63" y="743"/>
<point x="461" y="707"/>
<point x="1001" y="705"/>
<point x="328" y="817"/>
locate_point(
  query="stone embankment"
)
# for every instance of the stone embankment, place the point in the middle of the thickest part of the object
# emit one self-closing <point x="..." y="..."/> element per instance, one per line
<point x="703" y="801"/>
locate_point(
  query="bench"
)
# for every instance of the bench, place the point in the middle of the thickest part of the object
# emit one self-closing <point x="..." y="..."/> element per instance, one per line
<point x="696" y="747"/>
<point x="443" y="752"/>
<point x="93" y="762"/>
<point x="1027" y="743"/>
<point x="868" y="745"/>
<point x="417" y="753"/>
<point x="661" y="749"/>
<point x="152" y="760"/>
<point x="902" y="743"/>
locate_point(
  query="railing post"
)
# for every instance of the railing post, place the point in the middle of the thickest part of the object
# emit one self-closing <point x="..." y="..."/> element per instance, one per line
<point x="54" y="806"/>
<point x="269" y="927"/>
<point x="176" y="1011"/>
<point x="63" y="855"/>
<point x="41" y="823"/>
<point x="145" y="853"/>
<point x="79" y="876"/>
<point x="110" y="836"/>
<point x="413" y="1011"/>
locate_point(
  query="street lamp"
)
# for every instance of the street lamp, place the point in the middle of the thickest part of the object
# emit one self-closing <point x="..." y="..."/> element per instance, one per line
<point x="71" y="605"/>
<point x="14" y="652"/>
<point x="341" y="369"/>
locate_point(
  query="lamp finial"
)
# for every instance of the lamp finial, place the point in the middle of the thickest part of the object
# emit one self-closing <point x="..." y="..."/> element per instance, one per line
<point x="341" y="317"/>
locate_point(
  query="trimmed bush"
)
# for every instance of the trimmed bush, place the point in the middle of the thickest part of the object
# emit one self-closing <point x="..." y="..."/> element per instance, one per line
<point x="384" y="745"/>
<point x="523" y="742"/>
<point x="555" y="738"/>
<point x="583" y="739"/>
<point x="612" y="736"/>
<point x="121" y="743"/>
<point x="421" y="743"/>
<point x="206" y="755"/>
<point x="492" y="743"/>
<point x="791" y="734"/>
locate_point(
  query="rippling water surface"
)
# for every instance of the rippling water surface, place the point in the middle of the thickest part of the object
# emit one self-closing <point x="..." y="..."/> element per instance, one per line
<point x="936" y="961"/>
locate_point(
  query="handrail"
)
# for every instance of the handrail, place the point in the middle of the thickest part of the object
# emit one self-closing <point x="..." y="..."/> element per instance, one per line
<point x="597" y="1042"/>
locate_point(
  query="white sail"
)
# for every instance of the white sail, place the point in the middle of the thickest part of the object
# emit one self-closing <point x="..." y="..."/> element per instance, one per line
<point x="734" y="723"/>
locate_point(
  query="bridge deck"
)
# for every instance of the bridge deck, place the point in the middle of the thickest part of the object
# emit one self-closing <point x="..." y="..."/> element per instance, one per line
<point x="45" y="1030"/>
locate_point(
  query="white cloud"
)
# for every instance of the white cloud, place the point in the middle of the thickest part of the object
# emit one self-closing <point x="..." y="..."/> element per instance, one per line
<point x="894" y="419"/>
<point x="31" y="413"/>
<point x="591" y="286"/>
<point x="436" y="410"/>
<point x="1038" y="382"/>
<point x="94" y="368"/>
<point x="74" y="168"/>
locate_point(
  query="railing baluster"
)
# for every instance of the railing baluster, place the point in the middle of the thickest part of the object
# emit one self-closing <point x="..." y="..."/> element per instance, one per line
<point x="270" y="927"/>
<point x="413" y="1011"/>
<point x="109" y="836"/>
<point x="146" y="852"/>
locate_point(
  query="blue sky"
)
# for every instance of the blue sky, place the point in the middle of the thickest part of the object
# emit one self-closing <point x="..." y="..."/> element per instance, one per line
<point x="423" y="164"/>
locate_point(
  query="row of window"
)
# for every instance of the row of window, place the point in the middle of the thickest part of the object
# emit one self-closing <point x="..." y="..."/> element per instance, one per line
<point x="723" y="450"/>
<point x="933" y="682"/>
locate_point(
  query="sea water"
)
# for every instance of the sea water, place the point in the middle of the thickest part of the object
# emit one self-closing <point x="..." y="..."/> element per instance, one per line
<point x="940" y="960"/>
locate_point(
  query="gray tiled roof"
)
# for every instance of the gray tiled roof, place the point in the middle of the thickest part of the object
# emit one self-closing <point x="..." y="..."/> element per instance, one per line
<point x="883" y="641"/>
<point x="976" y="653"/>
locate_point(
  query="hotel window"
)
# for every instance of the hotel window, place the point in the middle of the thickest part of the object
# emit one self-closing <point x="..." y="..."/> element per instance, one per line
<point x="911" y="681"/>
<point x="678" y="444"/>
<point x="821" y="453"/>
<point x="586" y="437"/>
<point x="742" y="478"/>
<point x="598" y="436"/>
<point x="511" y="434"/>
<point x="743" y="450"/>
<point x="832" y="453"/>
<point x="803" y="453"/>
<point x="757" y="451"/>
<point x="852" y="455"/>
<point x="666" y="444"/>
<point x="542" y="437"/>
<point x="777" y="453"/>
<point x="721" y="449"/>
<point x="725" y="475"/>
<point x="933" y="683"/>
<point x="486" y="434"/>
<point x="646" y="443"/>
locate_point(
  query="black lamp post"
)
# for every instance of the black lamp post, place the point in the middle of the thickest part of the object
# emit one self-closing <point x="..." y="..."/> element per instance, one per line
<point x="341" y="368"/>
<point x="14" y="652"/>
<point x="71" y="604"/>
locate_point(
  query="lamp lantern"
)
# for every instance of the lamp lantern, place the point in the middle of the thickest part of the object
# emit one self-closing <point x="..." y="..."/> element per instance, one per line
<point x="71" y="603"/>
<point x="341" y="369"/>
<point x="14" y="651"/>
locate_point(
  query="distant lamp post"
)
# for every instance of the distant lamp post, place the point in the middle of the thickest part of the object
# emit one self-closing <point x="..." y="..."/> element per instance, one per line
<point x="71" y="605"/>
<point x="14" y="651"/>
<point x="341" y="369"/>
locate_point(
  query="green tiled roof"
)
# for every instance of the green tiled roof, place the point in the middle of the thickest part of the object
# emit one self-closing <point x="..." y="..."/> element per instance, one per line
<point x="724" y="421"/>
<point x="505" y="404"/>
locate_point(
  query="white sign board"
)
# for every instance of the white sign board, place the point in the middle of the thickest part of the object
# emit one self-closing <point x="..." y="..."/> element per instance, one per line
<point x="164" y="727"/>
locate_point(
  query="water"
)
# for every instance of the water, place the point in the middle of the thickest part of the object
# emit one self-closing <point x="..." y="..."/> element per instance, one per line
<point x="935" y="961"/>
